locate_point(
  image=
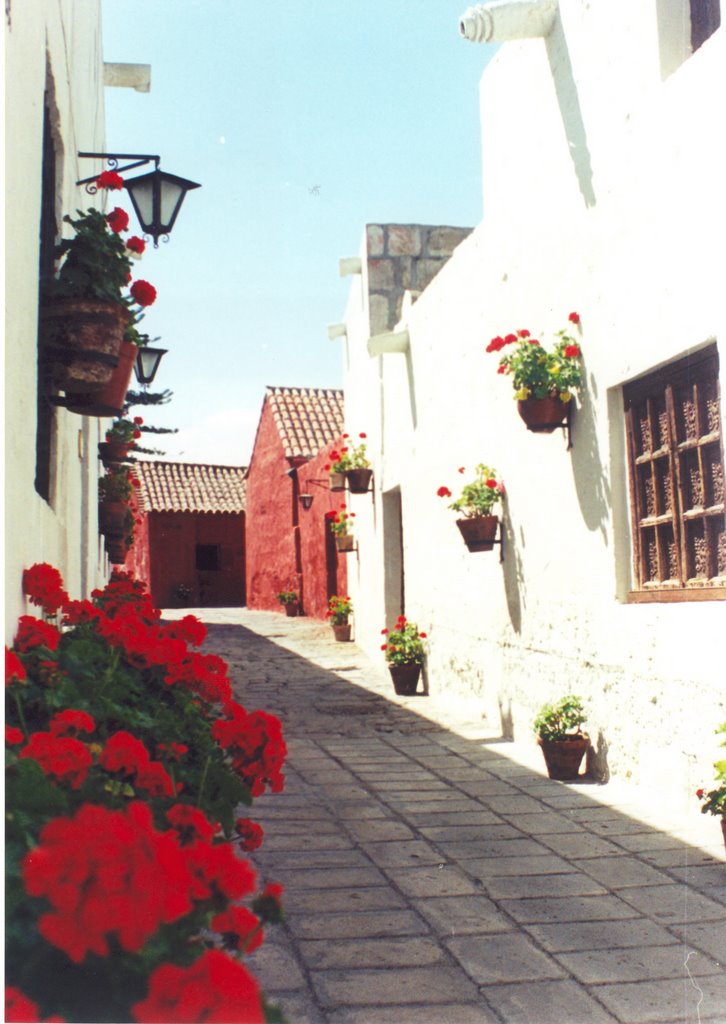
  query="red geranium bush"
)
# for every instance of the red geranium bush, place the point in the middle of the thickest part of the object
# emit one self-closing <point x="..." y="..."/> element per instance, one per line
<point x="128" y="894"/>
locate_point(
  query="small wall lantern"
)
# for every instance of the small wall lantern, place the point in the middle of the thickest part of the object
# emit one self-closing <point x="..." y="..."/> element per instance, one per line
<point x="147" y="363"/>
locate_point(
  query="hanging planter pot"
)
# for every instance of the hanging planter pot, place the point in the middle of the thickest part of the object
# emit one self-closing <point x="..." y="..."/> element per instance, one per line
<point x="337" y="482"/>
<point x="405" y="678"/>
<point x="564" y="757"/>
<point x="81" y="339"/>
<point x="358" y="480"/>
<point x="116" y="551"/>
<point x="345" y="542"/>
<point x="112" y="518"/>
<point x="342" y="631"/>
<point x="543" y="415"/>
<point x="112" y="452"/>
<point x="109" y="401"/>
<point x="479" y="532"/>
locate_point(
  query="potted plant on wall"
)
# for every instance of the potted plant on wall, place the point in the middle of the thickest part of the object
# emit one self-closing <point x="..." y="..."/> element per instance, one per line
<point x="290" y="601"/>
<point x="404" y="653"/>
<point x="120" y="437"/>
<point x="478" y="526"/>
<point x="339" y="609"/>
<point x="340" y="523"/>
<point x="544" y="382"/>
<point x="559" y="734"/>
<point x="713" y="801"/>
<point x="85" y="312"/>
<point x="335" y="468"/>
<point x="353" y="463"/>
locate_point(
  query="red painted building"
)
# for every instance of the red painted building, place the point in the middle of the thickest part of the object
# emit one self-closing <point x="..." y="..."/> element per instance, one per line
<point x="189" y="546"/>
<point x="289" y="547"/>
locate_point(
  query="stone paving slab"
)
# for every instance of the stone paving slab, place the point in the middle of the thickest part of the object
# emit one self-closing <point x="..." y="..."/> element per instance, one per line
<point x="434" y="874"/>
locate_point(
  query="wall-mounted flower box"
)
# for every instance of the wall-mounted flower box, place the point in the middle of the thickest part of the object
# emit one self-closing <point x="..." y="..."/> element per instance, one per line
<point x="109" y="401"/>
<point x="81" y="339"/>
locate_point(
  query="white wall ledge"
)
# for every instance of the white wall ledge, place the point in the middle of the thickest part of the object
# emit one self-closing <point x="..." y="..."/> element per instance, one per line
<point x="349" y="265"/>
<point x="501" y="21"/>
<point x="337" y="331"/>
<point x="392" y="341"/>
<point x="128" y="76"/>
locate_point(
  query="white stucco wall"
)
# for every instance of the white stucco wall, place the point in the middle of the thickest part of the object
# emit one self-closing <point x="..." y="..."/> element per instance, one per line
<point x="62" y="40"/>
<point x="604" y="194"/>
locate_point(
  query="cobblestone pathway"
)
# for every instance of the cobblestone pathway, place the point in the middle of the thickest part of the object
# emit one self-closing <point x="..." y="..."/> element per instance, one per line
<point x="437" y="877"/>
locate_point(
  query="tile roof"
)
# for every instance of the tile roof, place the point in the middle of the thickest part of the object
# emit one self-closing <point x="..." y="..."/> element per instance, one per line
<point x="191" y="487"/>
<point x="307" y="418"/>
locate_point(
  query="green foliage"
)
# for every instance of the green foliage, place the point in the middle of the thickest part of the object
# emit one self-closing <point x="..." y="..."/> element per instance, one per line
<point x="95" y="263"/>
<point x="480" y="496"/>
<point x="404" y="646"/>
<point x="288" y="597"/>
<point x="115" y="485"/>
<point x="561" y="719"/>
<point x="339" y="608"/>
<point x="714" y="801"/>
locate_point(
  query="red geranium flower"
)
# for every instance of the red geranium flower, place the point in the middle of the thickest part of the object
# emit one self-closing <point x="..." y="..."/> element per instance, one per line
<point x="136" y="244"/>
<point x="574" y="318"/>
<point x="462" y="469"/>
<point x="110" y="180"/>
<point x="362" y="435"/>
<point x="106" y="873"/>
<point x="240" y="928"/>
<point x="143" y="293"/>
<point x="138" y="420"/>
<point x="71" y="721"/>
<point x="43" y="585"/>
<point x="67" y="759"/>
<point x="13" y="736"/>
<point x="14" y="671"/>
<point x="572" y="351"/>
<point x="384" y="647"/>
<point x="251" y="834"/>
<point x="118" y="220"/>
<point x="34" y="632"/>
<point x="191" y="823"/>
<point x="383" y="632"/>
<point x="491" y="483"/>
<point x="215" y="989"/>
<point x="444" y="492"/>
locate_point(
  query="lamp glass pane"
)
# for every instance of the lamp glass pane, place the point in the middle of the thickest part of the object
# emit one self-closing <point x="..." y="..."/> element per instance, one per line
<point x="171" y="197"/>
<point x="143" y="199"/>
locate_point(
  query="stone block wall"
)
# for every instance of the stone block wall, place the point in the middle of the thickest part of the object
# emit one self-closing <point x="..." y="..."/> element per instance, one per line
<point x="400" y="258"/>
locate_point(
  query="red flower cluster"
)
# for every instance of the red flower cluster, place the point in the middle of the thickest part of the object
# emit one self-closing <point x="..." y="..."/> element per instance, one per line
<point x="250" y="833"/>
<point x="110" y="180"/>
<point x="215" y="989"/>
<point x="66" y="759"/>
<point x="190" y="823"/>
<point x="189" y="629"/>
<point x="43" y="585"/>
<point x="240" y="929"/>
<point x="33" y="632"/>
<point x="21" y="1010"/>
<point x="143" y="293"/>
<point x="92" y="869"/>
<point x="71" y="721"/>
<point x="254" y="743"/>
<point x="14" y="670"/>
<point x="124" y="753"/>
<point x="118" y="220"/>
<point x="498" y="343"/>
<point x="444" y="492"/>
<point x="136" y="244"/>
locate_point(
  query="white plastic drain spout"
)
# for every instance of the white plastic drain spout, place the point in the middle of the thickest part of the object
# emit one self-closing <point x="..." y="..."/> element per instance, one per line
<point x="501" y="21"/>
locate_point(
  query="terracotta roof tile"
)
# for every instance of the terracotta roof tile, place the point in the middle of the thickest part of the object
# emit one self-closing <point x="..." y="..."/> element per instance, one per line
<point x="307" y="418"/>
<point x="191" y="487"/>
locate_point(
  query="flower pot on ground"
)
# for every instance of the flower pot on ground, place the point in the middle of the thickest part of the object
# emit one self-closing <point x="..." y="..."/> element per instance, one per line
<point x="477" y="526"/>
<point x="544" y="382"/>
<point x="404" y="653"/>
<point x="339" y="610"/>
<point x="290" y="601"/>
<point x="109" y="400"/>
<point x="714" y="800"/>
<point x="559" y="735"/>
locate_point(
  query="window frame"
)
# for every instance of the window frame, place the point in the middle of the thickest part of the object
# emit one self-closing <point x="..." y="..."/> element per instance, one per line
<point x="682" y="518"/>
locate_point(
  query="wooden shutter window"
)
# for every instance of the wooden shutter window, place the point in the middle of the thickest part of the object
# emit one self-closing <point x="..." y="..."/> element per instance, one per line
<point x="676" y="467"/>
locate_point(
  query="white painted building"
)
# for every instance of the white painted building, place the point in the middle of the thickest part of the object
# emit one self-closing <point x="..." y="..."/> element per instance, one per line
<point x="604" y="154"/>
<point x="54" y="108"/>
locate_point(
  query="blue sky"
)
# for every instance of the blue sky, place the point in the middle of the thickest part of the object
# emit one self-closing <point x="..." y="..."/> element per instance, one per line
<point x="303" y="121"/>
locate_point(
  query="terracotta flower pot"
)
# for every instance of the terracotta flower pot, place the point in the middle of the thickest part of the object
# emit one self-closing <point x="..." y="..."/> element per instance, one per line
<point x="342" y="630"/>
<point x="543" y="415"/>
<point x="345" y="541"/>
<point x="337" y="482"/>
<point x="81" y="339"/>
<point x="479" y="532"/>
<point x="112" y="452"/>
<point x="358" y="480"/>
<point x="564" y="757"/>
<point x="405" y="678"/>
<point x="112" y="518"/>
<point x="116" y="551"/>
<point x="109" y="401"/>
<point x="291" y="610"/>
